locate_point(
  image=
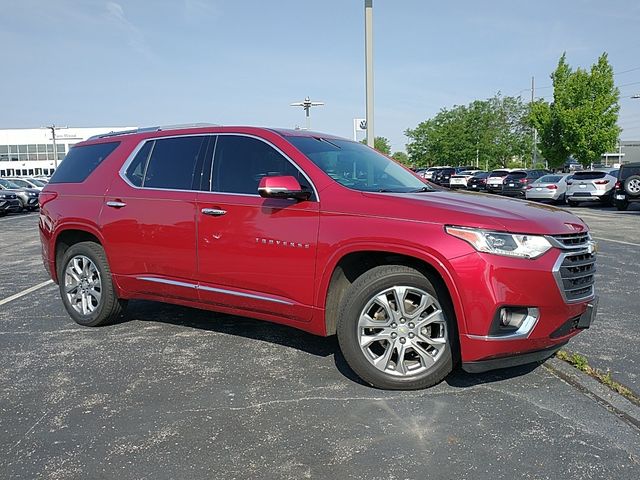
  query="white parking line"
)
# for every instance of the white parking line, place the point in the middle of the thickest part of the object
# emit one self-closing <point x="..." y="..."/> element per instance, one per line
<point x="25" y="292"/>
<point x="617" y="241"/>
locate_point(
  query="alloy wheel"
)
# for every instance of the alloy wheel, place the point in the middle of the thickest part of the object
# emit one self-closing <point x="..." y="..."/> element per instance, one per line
<point x="402" y="331"/>
<point x="83" y="285"/>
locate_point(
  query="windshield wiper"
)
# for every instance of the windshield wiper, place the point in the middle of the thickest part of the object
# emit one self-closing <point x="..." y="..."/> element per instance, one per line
<point x="423" y="189"/>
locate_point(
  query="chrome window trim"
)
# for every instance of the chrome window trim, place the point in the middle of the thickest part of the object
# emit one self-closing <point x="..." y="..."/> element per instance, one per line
<point x="134" y="152"/>
<point x="212" y="289"/>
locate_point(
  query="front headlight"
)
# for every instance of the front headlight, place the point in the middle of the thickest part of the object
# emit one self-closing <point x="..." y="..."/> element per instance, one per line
<point x="502" y="243"/>
<point x="32" y="194"/>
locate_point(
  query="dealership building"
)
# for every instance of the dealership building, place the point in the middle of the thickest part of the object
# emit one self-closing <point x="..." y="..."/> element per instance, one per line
<point x="30" y="151"/>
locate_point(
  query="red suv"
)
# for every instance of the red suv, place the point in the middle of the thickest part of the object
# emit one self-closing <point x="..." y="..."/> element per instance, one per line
<point x="320" y="233"/>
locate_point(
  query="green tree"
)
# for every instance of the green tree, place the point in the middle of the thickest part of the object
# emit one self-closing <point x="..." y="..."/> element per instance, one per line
<point x="490" y="132"/>
<point x="401" y="157"/>
<point x="582" y="119"/>
<point x="381" y="144"/>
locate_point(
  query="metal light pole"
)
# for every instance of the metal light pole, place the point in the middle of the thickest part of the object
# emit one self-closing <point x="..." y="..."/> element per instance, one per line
<point x="368" y="35"/>
<point x="55" y="149"/>
<point x="307" y="104"/>
<point x="534" y="156"/>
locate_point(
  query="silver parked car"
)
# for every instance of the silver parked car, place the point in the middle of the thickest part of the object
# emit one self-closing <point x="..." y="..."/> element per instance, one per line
<point x="591" y="185"/>
<point x="28" y="196"/>
<point x="552" y="188"/>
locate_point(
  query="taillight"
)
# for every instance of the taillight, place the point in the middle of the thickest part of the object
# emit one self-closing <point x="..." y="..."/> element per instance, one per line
<point x="552" y="187"/>
<point x="46" y="197"/>
<point x="618" y="185"/>
<point x="601" y="182"/>
<point x="524" y="180"/>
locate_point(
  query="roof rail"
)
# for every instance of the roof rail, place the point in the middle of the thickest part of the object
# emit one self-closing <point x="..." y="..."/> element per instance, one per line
<point x="153" y="129"/>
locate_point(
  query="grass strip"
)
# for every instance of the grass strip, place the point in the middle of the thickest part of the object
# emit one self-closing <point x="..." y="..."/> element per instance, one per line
<point x="581" y="363"/>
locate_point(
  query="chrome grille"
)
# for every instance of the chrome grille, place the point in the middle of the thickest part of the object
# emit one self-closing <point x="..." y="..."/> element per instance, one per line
<point x="576" y="267"/>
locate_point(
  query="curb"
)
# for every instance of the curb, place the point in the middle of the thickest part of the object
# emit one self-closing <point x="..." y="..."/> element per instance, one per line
<point x="616" y="403"/>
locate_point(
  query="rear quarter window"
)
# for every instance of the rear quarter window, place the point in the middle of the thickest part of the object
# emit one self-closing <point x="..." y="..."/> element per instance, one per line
<point x="81" y="161"/>
<point x="626" y="172"/>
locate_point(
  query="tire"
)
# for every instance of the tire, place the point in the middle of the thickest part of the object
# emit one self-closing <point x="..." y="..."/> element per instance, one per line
<point x="622" y="205"/>
<point x="560" y="201"/>
<point x="369" y="301"/>
<point x="93" y="301"/>
<point x="571" y="203"/>
<point x="632" y="185"/>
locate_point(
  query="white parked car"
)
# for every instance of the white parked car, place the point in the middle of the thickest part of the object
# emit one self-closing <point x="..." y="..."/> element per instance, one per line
<point x="459" y="180"/>
<point x="591" y="185"/>
<point x="26" y="183"/>
<point x="552" y="188"/>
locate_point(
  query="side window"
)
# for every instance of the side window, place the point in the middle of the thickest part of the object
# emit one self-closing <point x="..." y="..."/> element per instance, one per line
<point x="241" y="162"/>
<point x="135" y="170"/>
<point x="173" y="163"/>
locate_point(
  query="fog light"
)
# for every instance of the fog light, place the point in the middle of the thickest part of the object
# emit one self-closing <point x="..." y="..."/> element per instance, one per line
<point x="519" y="320"/>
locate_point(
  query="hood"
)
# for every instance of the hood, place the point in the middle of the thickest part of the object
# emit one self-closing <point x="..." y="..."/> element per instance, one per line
<point x="478" y="210"/>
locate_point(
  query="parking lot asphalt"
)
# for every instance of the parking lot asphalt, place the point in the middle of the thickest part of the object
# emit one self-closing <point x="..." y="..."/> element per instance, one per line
<point x="173" y="392"/>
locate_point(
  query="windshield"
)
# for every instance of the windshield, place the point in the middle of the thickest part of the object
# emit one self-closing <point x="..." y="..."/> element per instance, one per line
<point x="20" y="182"/>
<point x="357" y="166"/>
<point x="37" y="182"/>
<point x="8" y="184"/>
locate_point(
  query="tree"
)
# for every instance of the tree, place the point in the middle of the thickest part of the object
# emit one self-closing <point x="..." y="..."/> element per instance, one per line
<point x="381" y="144"/>
<point x="582" y="119"/>
<point x="487" y="132"/>
<point x="401" y="157"/>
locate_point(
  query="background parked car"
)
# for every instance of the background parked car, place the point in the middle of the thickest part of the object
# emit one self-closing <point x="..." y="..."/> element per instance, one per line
<point x="495" y="178"/>
<point x="443" y="176"/>
<point x="9" y="203"/>
<point x="28" y="196"/>
<point x="627" y="188"/>
<point x="551" y="188"/>
<point x="591" y="185"/>
<point x="478" y="182"/>
<point x="459" y="180"/>
<point x="515" y="184"/>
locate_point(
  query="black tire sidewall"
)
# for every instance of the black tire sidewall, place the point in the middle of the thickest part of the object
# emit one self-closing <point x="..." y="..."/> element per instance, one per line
<point x="361" y="292"/>
<point x="95" y="253"/>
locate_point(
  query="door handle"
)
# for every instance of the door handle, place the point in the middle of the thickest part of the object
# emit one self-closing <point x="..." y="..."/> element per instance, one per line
<point x="214" y="212"/>
<point x="116" y="204"/>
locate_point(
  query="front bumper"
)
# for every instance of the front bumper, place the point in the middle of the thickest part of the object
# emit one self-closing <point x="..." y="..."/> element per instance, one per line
<point x="511" y="361"/>
<point x="486" y="283"/>
<point x="10" y="205"/>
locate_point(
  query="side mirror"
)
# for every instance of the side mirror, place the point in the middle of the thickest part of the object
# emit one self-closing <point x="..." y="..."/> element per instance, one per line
<point x="282" y="187"/>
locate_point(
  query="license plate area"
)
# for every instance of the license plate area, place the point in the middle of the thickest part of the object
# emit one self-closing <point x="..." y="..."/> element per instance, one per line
<point x="589" y="314"/>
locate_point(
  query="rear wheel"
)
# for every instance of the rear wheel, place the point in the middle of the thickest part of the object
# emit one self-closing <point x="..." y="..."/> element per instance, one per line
<point x="86" y="287"/>
<point x="632" y="185"/>
<point x="622" y="205"/>
<point x="396" y="329"/>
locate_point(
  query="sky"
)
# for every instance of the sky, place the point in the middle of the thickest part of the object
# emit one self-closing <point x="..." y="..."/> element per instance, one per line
<point x="90" y="63"/>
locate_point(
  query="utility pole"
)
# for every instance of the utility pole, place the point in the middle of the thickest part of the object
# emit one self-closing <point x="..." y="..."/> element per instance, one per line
<point x="368" y="35"/>
<point x="534" y="155"/>
<point x="55" y="149"/>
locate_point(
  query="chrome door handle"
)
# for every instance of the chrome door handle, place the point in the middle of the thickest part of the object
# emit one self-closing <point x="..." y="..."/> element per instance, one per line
<point x="116" y="204"/>
<point x="214" y="212"/>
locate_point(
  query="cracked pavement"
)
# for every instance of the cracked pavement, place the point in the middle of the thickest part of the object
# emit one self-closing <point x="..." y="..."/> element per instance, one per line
<point x="173" y="392"/>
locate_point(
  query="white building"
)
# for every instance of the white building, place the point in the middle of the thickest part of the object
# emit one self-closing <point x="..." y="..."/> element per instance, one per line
<point x="30" y="152"/>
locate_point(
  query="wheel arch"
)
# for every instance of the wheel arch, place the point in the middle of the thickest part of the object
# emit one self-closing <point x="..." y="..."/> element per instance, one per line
<point x="69" y="235"/>
<point x="350" y="263"/>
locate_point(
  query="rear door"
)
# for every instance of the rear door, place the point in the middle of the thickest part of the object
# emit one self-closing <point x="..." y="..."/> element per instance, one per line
<point x="256" y="254"/>
<point x="149" y="217"/>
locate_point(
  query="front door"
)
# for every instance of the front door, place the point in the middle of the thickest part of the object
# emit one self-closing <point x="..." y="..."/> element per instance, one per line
<point x="256" y="254"/>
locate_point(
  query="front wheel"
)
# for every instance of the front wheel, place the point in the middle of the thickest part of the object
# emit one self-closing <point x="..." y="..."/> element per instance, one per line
<point x="396" y="329"/>
<point x="86" y="287"/>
